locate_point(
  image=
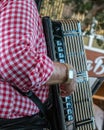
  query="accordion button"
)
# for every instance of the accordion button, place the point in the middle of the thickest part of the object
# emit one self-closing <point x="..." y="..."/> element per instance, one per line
<point x="70" y="118"/>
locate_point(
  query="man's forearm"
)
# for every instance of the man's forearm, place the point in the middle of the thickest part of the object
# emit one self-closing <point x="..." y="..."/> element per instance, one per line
<point x="59" y="74"/>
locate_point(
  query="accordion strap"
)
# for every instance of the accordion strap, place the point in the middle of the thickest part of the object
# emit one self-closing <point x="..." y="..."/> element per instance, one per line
<point x="44" y="112"/>
<point x="38" y="3"/>
<point x="34" y="98"/>
<point x="38" y="102"/>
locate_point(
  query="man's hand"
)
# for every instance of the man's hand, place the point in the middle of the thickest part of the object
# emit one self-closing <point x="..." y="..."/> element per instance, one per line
<point x="61" y="75"/>
<point x="68" y="88"/>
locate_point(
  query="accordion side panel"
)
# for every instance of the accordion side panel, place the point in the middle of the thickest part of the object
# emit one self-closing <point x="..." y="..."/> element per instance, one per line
<point x="71" y="37"/>
<point x="56" y="114"/>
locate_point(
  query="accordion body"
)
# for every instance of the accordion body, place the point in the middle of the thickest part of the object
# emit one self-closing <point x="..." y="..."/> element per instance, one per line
<point x="65" y="44"/>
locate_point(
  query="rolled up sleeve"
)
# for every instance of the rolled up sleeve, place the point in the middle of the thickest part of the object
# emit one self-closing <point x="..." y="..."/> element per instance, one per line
<point x="23" y="55"/>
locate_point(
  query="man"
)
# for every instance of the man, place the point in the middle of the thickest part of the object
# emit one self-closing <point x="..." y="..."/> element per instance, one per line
<point x="24" y="62"/>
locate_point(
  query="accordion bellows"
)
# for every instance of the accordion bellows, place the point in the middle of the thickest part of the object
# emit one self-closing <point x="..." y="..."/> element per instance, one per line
<point x="65" y="44"/>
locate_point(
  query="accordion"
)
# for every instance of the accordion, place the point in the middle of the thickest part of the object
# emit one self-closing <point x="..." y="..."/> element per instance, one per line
<point x="65" y="45"/>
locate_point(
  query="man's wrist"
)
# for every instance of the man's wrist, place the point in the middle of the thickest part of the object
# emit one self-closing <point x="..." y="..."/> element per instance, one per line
<point x="69" y="73"/>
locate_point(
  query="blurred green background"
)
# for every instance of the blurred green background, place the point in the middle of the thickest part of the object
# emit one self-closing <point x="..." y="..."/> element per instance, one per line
<point x="89" y="12"/>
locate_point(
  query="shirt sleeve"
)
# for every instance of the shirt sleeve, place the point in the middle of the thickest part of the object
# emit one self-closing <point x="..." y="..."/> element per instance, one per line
<point x="23" y="56"/>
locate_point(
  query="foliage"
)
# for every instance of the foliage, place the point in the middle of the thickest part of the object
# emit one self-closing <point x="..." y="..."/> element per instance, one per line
<point x="88" y="8"/>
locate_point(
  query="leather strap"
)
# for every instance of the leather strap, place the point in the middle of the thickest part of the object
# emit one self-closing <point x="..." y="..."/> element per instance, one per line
<point x="38" y="102"/>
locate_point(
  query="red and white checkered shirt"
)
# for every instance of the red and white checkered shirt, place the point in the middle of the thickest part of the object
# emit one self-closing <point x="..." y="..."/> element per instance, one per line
<point x="23" y="58"/>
